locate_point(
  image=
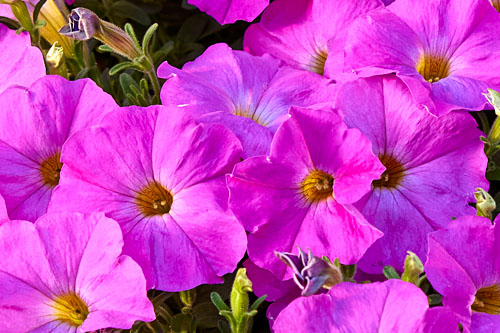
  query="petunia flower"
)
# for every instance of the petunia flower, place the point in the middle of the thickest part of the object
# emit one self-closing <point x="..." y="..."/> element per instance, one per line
<point x="249" y="95"/>
<point x="302" y="193"/>
<point x="4" y="217"/>
<point x="65" y="273"/>
<point x="433" y="166"/>
<point x="230" y="11"/>
<point x="34" y="125"/>
<point x="392" y="306"/>
<point x="463" y="265"/>
<point x="160" y="175"/>
<point x="22" y="64"/>
<point x="446" y="51"/>
<point x="307" y="34"/>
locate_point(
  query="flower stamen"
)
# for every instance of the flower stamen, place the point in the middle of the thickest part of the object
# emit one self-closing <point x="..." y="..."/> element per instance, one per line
<point x="393" y="174"/>
<point x="318" y="62"/>
<point x="50" y="170"/>
<point x="487" y="300"/>
<point x="154" y="199"/>
<point x="70" y="309"/>
<point x="433" y="68"/>
<point x="317" y="186"/>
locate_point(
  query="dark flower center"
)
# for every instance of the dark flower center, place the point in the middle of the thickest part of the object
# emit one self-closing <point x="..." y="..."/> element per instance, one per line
<point x="317" y="186"/>
<point x="487" y="300"/>
<point x="392" y="176"/>
<point x="50" y="169"/>
<point x="248" y="113"/>
<point x="154" y="199"/>
<point x="433" y="68"/>
<point x="70" y="309"/>
<point x="318" y="61"/>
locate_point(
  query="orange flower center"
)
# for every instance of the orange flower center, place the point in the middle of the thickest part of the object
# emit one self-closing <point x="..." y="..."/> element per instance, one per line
<point x="487" y="300"/>
<point x="393" y="174"/>
<point x="154" y="199"/>
<point x="433" y="68"/>
<point x="50" y="169"/>
<point x="70" y="309"/>
<point x="317" y="186"/>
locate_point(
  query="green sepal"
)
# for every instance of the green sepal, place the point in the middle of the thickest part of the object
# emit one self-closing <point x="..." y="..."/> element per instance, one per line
<point x="104" y="48"/>
<point x="218" y="302"/>
<point x="146" y="40"/>
<point x="258" y="302"/>
<point x="390" y="272"/>
<point x="122" y="66"/>
<point x="130" y="31"/>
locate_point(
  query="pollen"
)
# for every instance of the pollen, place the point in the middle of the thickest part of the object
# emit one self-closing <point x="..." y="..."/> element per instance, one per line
<point x="50" y="170"/>
<point x="70" y="309"/>
<point x="318" y="61"/>
<point x="433" y="68"/>
<point x="393" y="174"/>
<point x="317" y="186"/>
<point x="487" y="300"/>
<point x="249" y="113"/>
<point x="154" y="199"/>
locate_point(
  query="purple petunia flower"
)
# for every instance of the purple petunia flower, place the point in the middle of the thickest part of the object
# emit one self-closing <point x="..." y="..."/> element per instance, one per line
<point x="4" y="217"/>
<point x="446" y="51"/>
<point x="249" y="95"/>
<point x="307" y="34"/>
<point x="392" y="306"/>
<point x="463" y="266"/>
<point x="22" y="64"/>
<point x="68" y="276"/>
<point x="424" y="185"/>
<point x="301" y="194"/>
<point x="230" y="11"/>
<point x="35" y="122"/>
<point x="161" y="176"/>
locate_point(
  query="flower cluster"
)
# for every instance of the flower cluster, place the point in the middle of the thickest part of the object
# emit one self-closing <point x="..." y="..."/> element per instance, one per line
<point x="337" y="147"/>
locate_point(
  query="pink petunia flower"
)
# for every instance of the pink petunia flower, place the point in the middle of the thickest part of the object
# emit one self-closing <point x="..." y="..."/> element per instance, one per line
<point x="307" y="34"/>
<point x="161" y="176"/>
<point x="230" y="11"/>
<point x="4" y="217"/>
<point x="446" y="51"/>
<point x="392" y="306"/>
<point x="302" y="193"/>
<point x="433" y="166"/>
<point x="35" y="123"/>
<point x="249" y="95"/>
<point x="463" y="265"/>
<point x="22" y="64"/>
<point x="68" y="276"/>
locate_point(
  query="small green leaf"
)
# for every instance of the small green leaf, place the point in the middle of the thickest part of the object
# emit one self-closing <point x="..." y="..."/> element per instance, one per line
<point x="120" y="67"/>
<point x="128" y="10"/>
<point x="258" y="302"/>
<point x="146" y="40"/>
<point x="182" y="323"/>
<point x="10" y="23"/>
<point x="104" y="48"/>
<point x="218" y="302"/>
<point x="390" y="272"/>
<point x="130" y="31"/>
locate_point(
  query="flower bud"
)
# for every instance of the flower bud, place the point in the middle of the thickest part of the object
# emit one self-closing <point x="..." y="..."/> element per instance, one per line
<point x="55" y="56"/>
<point x="54" y="18"/>
<point x="311" y="273"/>
<point x="485" y="204"/>
<point x="412" y="269"/>
<point x="85" y="24"/>
<point x="493" y="98"/>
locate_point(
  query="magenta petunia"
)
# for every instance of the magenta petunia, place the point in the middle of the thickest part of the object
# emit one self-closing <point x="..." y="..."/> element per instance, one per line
<point x="463" y="265"/>
<point x="250" y="95"/>
<point x="230" y="11"/>
<point x="35" y="122"/>
<point x="392" y="306"/>
<point x="302" y="193"/>
<point x="433" y="167"/>
<point x="446" y="51"/>
<point x="22" y="64"/>
<point x="307" y="34"/>
<point x="161" y="176"/>
<point x="68" y="276"/>
<point x="4" y="217"/>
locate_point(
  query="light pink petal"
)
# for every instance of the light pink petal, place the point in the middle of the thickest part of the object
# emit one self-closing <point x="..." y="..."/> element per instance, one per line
<point x="230" y="11"/>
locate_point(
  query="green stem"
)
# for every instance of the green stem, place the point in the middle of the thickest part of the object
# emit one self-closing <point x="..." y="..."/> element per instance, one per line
<point x="156" y="85"/>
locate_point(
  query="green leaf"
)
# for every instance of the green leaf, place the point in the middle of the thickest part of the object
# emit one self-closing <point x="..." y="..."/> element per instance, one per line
<point x="223" y="326"/>
<point x="183" y="323"/>
<point x="128" y="10"/>
<point x="37" y="9"/>
<point x="218" y="302"/>
<point x="390" y="272"/>
<point x="105" y="48"/>
<point x="10" y="23"/>
<point x="258" y="302"/>
<point x="82" y="74"/>
<point x="130" y="31"/>
<point x="146" y="40"/>
<point x="435" y="299"/>
<point x="120" y="67"/>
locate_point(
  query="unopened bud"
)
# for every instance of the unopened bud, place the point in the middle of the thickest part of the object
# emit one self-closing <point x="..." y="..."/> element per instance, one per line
<point x="412" y="269"/>
<point x="85" y="24"/>
<point x="239" y="294"/>
<point x="485" y="204"/>
<point x="493" y="98"/>
<point x="55" y="56"/>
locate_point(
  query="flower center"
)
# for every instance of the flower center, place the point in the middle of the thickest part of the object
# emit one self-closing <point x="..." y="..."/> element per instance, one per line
<point x="433" y="68"/>
<point x="50" y="169"/>
<point x="393" y="174"/>
<point x="487" y="300"/>
<point x="318" y="61"/>
<point x="317" y="186"/>
<point x="154" y="199"/>
<point x="496" y="4"/>
<point x="70" y="309"/>
<point x="242" y="112"/>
